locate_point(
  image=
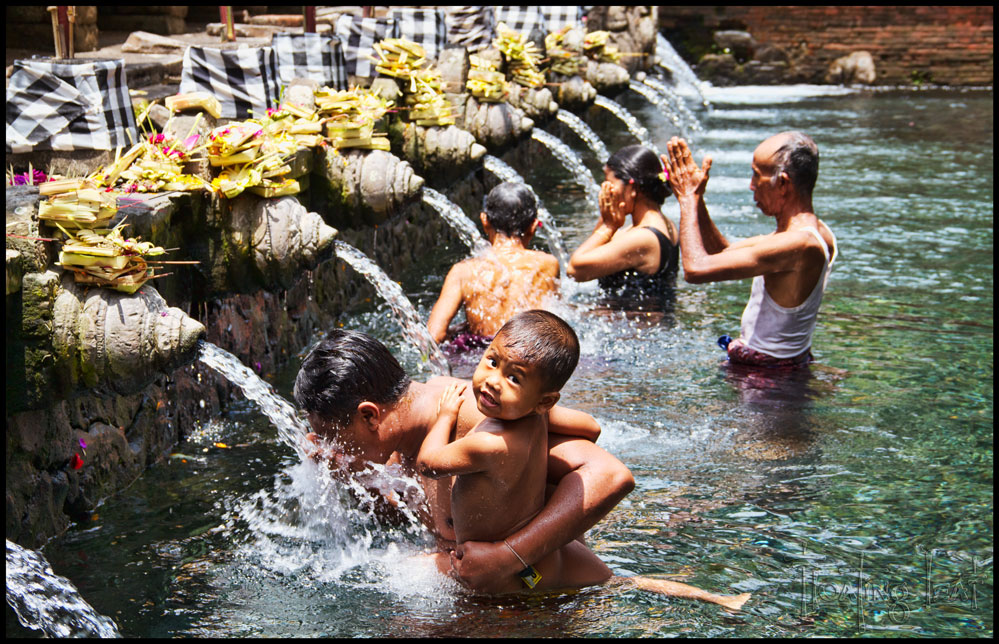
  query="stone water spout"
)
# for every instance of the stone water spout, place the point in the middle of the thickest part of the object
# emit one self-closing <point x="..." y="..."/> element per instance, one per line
<point x="495" y="125"/>
<point x="279" y="236"/>
<point x="537" y="103"/>
<point x="101" y="337"/>
<point x="369" y="184"/>
<point x="437" y="150"/>
<point x="607" y="78"/>
<point x="575" y="92"/>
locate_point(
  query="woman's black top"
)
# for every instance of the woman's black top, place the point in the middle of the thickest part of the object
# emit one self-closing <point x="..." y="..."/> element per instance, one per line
<point x="630" y="288"/>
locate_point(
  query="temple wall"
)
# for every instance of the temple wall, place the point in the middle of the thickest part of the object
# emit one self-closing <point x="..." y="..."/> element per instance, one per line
<point x="949" y="45"/>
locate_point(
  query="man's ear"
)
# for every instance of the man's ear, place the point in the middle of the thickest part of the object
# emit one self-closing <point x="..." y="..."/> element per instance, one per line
<point x="370" y="414"/>
<point x="547" y="402"/>
<point x="485" y="221"/>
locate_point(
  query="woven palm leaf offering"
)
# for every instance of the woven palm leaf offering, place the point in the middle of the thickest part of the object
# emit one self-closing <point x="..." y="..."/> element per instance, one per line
<point x="159" y="166"/>
<point x="350" y="117"/>
<point x="485" y="82"/>
<point x="596" y="48"/>
<point x="561" y="58"/>
<point x="109" y="260"/>
<point x="77" y="203"/>
<point x="422" y="86"/>
<point x="522" y="57"/>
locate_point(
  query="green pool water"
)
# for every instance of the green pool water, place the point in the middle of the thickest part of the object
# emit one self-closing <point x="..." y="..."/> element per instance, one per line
<point x="853" y="500"/>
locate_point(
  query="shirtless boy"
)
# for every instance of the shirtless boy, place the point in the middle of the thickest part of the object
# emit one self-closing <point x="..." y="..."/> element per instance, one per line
<point x="500" y="465"/>
<point x="503" y="281"/>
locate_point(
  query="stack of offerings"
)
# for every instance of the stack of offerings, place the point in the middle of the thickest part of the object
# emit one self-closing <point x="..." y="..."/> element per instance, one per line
<point x="350" y="117"/>
<point x="250" y="160"/>
<point x="596" y="48"/>
<point x="157" y="166"/>
<point x="105" y="258"/>
<point x="485" y="82"/>
<point x="76" y="203"/>
<point x="522" y="57"/>
<point x="421" y="84"/>
<point x="561" y="59"/>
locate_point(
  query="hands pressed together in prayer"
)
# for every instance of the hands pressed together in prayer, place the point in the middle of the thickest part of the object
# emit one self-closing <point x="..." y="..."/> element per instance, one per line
<point x="612" y="206"/>
<point x="685" y="177"/>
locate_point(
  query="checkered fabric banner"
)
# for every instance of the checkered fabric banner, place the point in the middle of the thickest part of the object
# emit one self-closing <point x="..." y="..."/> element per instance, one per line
<point x="525" y="20"/>
<point x="78" y="105"/>
<point x="243" y="80"/>
<point x="317" y="57"/>
<point x="358" y="36"/>
<point x="558" y="16"/>
<point x="470" y="27"/>
<point x="422" y="26"/>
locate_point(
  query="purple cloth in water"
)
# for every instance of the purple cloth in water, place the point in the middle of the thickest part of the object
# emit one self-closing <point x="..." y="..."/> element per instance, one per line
<point x="465" y="341"/>
<point x="739" y="352"/>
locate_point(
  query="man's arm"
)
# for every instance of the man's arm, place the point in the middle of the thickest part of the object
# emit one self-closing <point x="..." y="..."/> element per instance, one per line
<point x="590" y="482"/>
<point x="447" y="304"/>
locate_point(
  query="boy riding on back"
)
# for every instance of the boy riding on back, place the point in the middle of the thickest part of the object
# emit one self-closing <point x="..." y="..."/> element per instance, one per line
<point x="500" y="465"/>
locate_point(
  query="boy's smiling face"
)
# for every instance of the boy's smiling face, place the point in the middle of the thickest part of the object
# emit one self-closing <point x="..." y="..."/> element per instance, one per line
<point x="508" y="388"/>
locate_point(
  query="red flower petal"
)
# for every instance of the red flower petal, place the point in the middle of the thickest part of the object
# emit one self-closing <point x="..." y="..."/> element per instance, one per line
<point x="76" y="462"/>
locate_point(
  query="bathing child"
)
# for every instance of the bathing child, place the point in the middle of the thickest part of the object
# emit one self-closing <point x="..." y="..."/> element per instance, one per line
<point x="506" y="279"/>
<point x="499" y="467"/>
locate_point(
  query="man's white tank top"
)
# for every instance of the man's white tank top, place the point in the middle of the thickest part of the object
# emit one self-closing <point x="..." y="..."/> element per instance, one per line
<point x="785" y="332"/>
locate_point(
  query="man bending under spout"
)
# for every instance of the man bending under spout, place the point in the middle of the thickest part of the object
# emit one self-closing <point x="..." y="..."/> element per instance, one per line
<point x="789" y="267"/>
<point x="507" y="279"/>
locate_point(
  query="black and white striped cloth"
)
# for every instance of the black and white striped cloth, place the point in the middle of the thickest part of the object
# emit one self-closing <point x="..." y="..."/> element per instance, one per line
<point x="358" y="35"/>
<point x="245" y="81"/>
<point x="529" y="21"/>
<point x="422" y="26"/>
<point x="318" y="57"/>
<point x="470" y="27"/>
<point x="78" y="105"/>
<point x="559" y="16"/>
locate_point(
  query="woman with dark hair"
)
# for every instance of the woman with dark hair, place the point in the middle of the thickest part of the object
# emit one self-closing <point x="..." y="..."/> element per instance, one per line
<point x="638" y="260"/>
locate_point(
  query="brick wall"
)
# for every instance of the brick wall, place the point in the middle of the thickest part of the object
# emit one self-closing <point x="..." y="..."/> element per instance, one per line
<point x="945" y="44"/>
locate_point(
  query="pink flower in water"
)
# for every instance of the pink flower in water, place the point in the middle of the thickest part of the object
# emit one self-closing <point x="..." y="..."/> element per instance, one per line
<point x="83" y="444"/>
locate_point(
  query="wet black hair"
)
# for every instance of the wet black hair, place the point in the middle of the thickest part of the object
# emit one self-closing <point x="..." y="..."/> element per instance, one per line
<point x="545" y="341"/>
<point x="798" y="156"/>
<point x="642" y="165"/>
<point x="345" y="369"/>
<point x="511" y="208"/>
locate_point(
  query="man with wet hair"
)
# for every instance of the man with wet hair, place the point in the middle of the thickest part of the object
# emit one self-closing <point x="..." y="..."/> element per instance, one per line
<point x="506" y="279"/>
<point x="789" y="267"/>
<point x="359" y="400"/>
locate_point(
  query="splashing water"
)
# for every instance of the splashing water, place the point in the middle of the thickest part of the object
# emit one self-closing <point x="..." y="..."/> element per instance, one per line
<point x="456" y="218"/>
<point x="47" y="602"/>
<point x="634" y="125"/>
<point x="291" y="427"/>
<point x="586" y="133"/>
<point x="413" y="327"/>
<point x="659" y="101"/>
<point x="670" y="59"/>
<point x="571" y="161"/>
<point x="676" y="100"/>
<point x="505" y="173"/>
